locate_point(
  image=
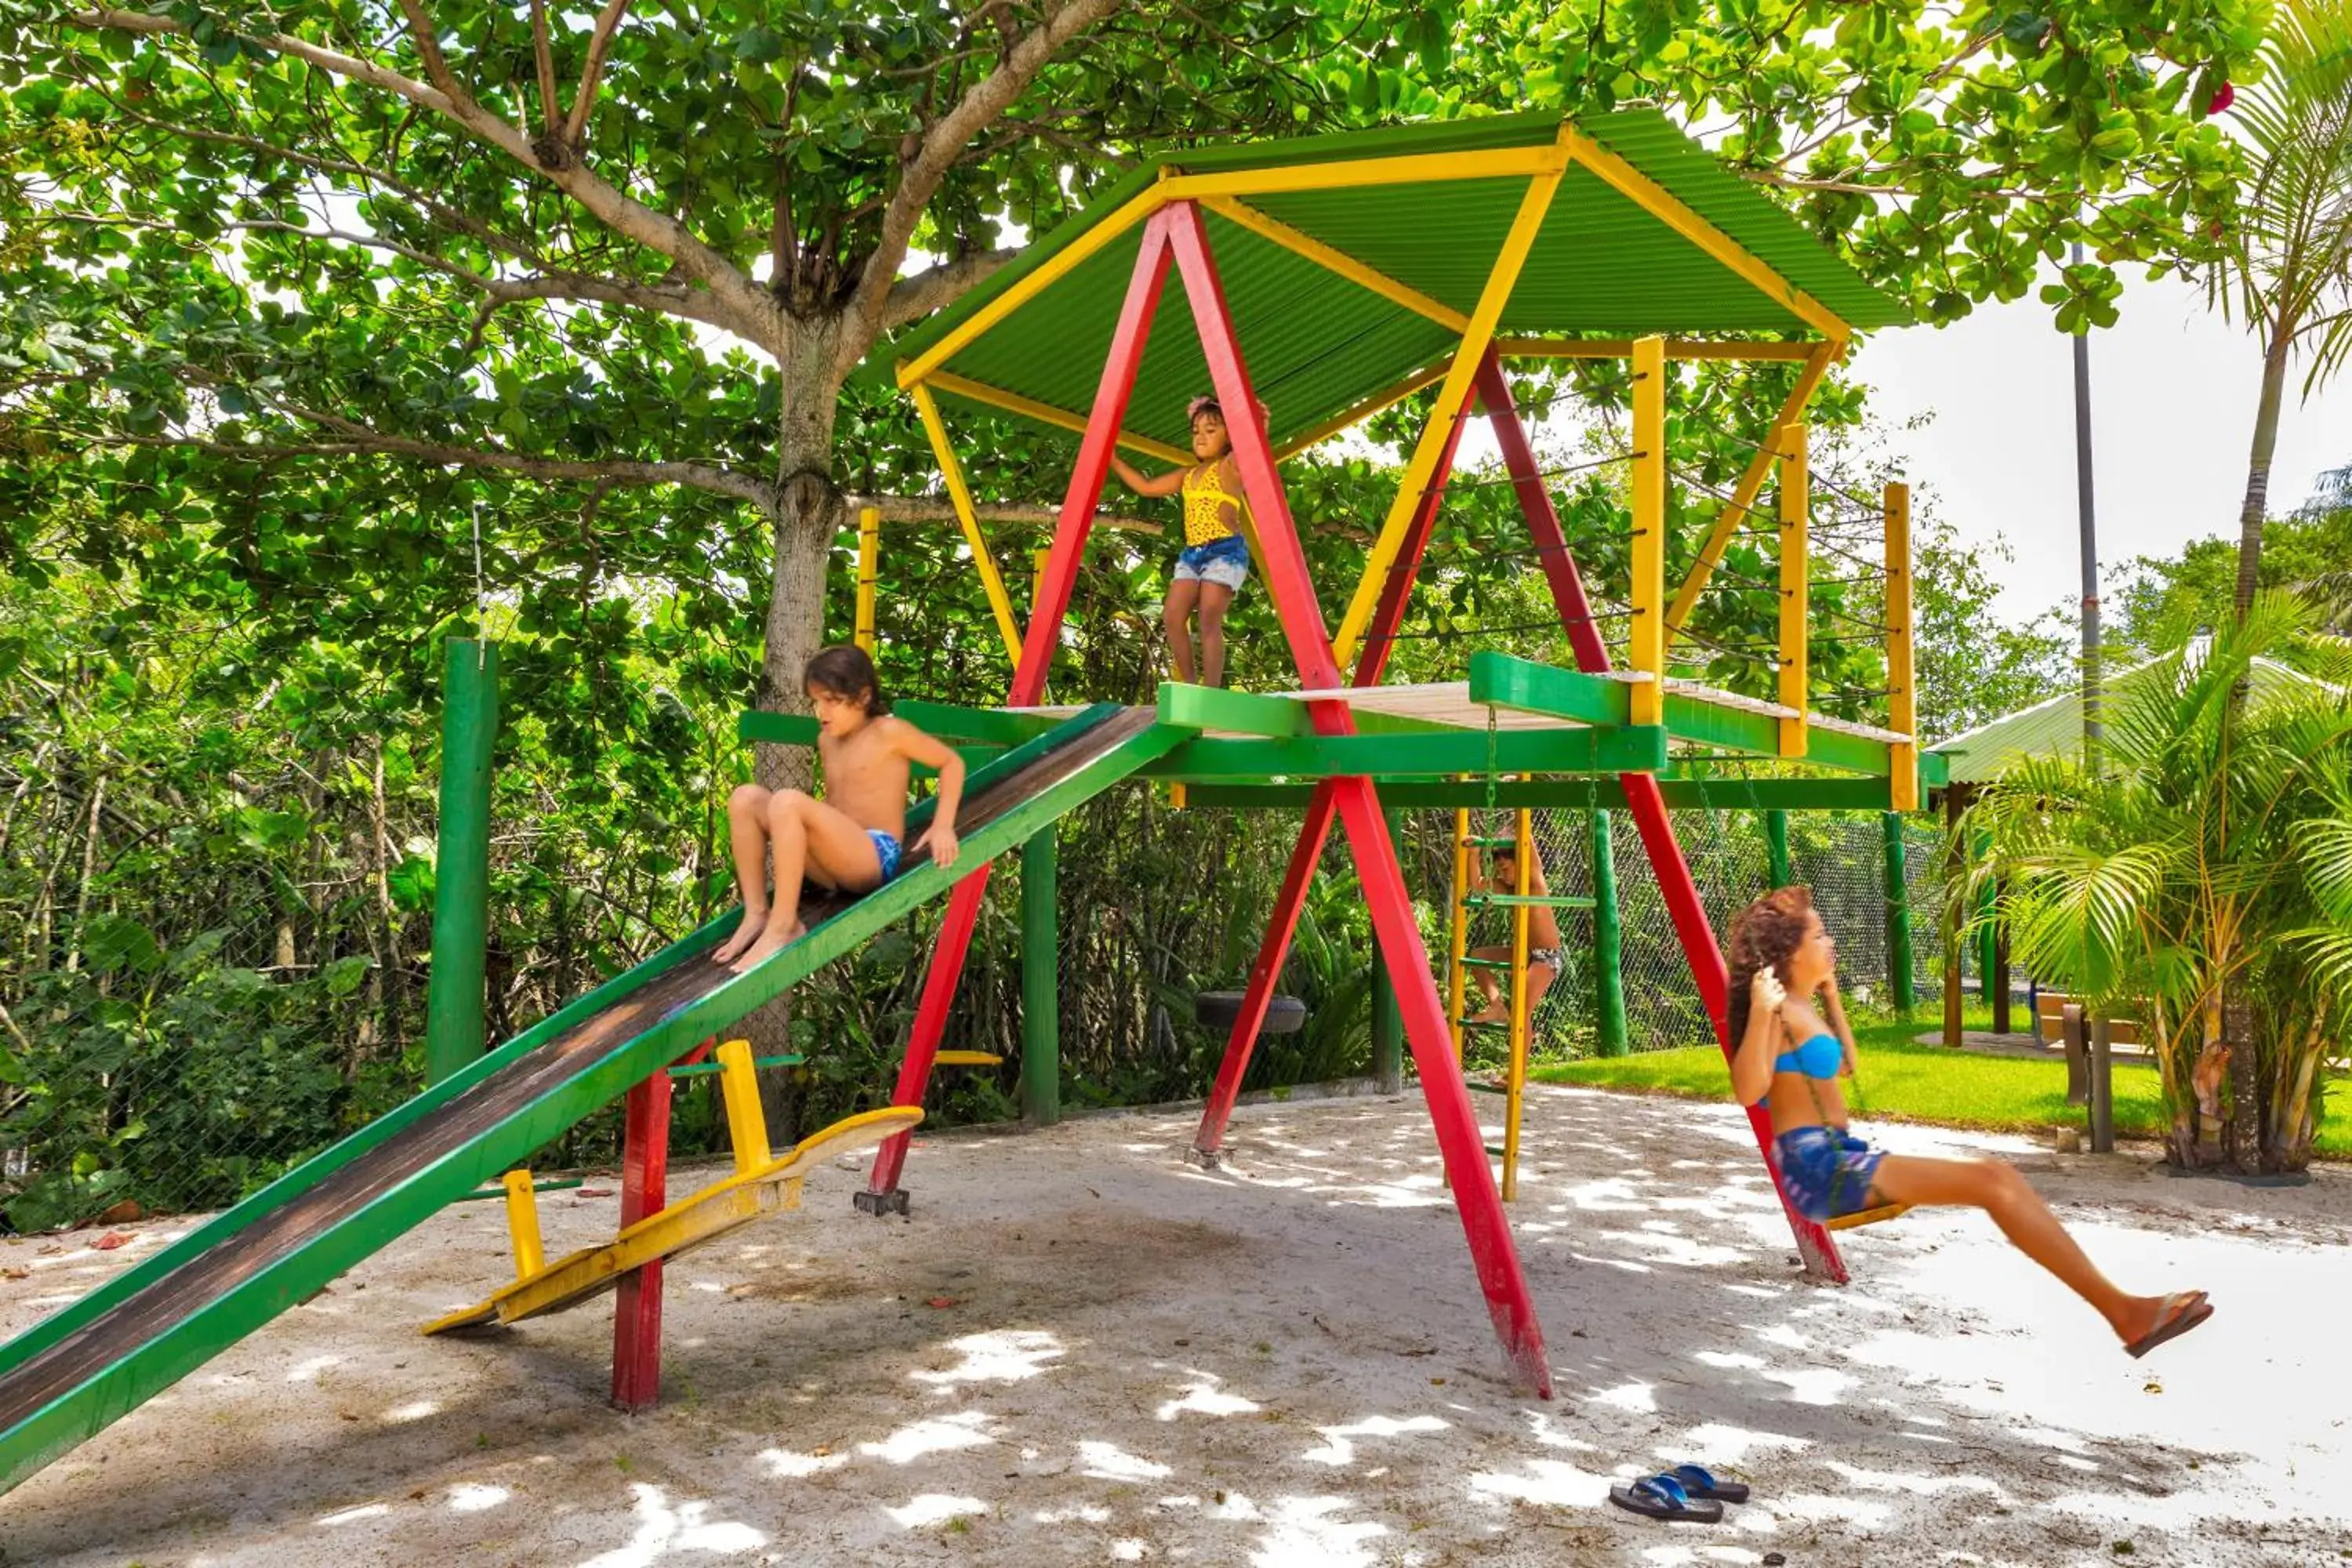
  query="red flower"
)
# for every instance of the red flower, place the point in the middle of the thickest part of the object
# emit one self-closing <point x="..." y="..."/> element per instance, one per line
<point x="2223" y="96"/>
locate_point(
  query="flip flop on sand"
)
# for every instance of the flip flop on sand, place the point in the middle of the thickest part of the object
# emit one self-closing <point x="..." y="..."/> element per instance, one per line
<point x="1661" y="1497"/>
<point x="2181" y="1313"/>
<point x="1700" y="1482"/>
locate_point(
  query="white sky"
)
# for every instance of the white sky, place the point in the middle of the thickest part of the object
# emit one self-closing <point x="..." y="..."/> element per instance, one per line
<point x="2172" y="407"/>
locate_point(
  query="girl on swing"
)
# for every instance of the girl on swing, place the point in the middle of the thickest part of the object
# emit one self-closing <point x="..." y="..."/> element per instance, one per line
<point x="1215" y="559"/>
<point x="1788" y="1057"/>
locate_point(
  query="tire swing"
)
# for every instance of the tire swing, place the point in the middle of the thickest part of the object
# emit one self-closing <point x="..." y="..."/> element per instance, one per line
<point x="1221" y="1010"/>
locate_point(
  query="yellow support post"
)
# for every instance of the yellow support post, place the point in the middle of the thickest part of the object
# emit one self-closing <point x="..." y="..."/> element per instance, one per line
<point x="1244" y="215"/>
<point x="1740" y="507"/>
<point x="1515" y="1081"/>
<point x="1669" y="209"/>
<point x="1796" y="506"/>
<point x="1902" y="697"/>
<point x="969" y="521"/>
<point x="1548" y="161"/>
<point x="869" y="551"/>
<point x="747" y="1123"/>
<point x="522" y="1224"/>
<point x="1645" y="637"/>
<point x="1046" y="414"/>
<point x="1451" y="400"/>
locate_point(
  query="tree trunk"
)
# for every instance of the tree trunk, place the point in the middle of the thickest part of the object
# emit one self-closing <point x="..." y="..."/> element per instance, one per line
<point x="2256" y="507"/>
<point x="2242" y="1132"/>
<point x="805" y="522"/>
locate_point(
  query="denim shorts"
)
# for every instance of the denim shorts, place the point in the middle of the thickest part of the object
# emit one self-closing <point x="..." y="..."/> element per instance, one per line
<point x="1224" y="562"/>
<point x="1827" y="1172"/>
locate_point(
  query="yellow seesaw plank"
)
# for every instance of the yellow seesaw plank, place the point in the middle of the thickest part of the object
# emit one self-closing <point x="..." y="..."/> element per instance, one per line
<point x="713" y="1212"/>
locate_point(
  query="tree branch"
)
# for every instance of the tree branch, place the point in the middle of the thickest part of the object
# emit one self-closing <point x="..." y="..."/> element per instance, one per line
<point x="941" y="145"/>
<point x="436" y="65"/>
<point x="912" y="299"/>
<point x="359" y="441"/>
<point x="599" y="44"/>
<point x="750" y="314"/>
<point x="543" y="57"/>
<point x="939" y="509"/>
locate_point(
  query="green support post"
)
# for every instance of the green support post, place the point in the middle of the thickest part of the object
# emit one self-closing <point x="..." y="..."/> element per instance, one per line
<point x="1990" y="974"/>
<point x="1898" y="915"/>
<point x="1775" y="847"/>
<point x="454" y="1011"/>
<point x="1041" y="998"/>
<point x="1388" y="1017"/>
<point x="1608" y="945"/>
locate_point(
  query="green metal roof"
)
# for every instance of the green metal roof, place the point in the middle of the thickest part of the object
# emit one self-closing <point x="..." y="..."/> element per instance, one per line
<point x="2055" y="728"/>
<point x="1318" y="343"/>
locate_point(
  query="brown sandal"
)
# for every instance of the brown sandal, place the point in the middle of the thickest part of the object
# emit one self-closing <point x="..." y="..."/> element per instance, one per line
<point x="2181" y="1313"/>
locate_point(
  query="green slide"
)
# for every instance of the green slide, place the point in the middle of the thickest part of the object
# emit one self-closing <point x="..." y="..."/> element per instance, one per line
<point x="70" y="1376"/>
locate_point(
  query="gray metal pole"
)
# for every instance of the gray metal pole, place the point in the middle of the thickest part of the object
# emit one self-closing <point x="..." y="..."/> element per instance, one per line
<point x="2087" y="517"/>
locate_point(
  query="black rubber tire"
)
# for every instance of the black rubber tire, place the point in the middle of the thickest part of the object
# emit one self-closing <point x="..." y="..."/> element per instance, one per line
<point x="1218" y="1009"/>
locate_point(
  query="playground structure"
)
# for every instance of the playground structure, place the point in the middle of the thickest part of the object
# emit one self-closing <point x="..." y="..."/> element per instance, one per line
<point x="1362" y="269"/>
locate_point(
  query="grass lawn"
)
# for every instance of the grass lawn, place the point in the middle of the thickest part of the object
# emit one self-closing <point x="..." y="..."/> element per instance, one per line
<point x="1902" y="1081"/>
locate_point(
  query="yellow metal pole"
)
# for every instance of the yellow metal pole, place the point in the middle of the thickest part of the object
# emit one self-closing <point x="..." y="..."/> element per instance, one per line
<point x="1353" y="173"/>
<point x="1450" y="405"/>
<point x="747" y="1124"/>
<point x="969" y="521"/>
<point x="1515" y="1081"/>
<point x="1740" y="507"/>
<point x="1046" y="414"/>
<point x="1458" y="929"/>
<point x="522" y="1224"/>
<point x="1029" y="285"/>
<point x="1645" y="637"/>
<point x="1336" y="260"/>
<point x="869" y="550"/>
<point x="1902" y="697"/>
<point x="1796" y="504"/>
<point x="1669" y="209"/>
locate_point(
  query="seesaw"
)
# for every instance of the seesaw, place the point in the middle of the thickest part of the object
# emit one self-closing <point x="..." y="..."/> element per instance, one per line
<point x="761" y="1184"/>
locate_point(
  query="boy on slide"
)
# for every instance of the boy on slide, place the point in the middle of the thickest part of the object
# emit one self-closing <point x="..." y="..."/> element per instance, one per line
<point x="847" y="842"/>
<point x="1215" y="559"/>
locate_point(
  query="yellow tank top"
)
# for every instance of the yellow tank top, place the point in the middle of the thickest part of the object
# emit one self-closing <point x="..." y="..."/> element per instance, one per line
<point x="1211" y="511"/>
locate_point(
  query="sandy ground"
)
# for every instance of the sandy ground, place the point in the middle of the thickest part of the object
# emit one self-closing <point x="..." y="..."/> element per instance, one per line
<point x="1082" y="1351"/>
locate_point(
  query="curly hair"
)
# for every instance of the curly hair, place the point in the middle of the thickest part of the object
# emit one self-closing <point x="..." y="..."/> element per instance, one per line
<point x="1762" y="937"/>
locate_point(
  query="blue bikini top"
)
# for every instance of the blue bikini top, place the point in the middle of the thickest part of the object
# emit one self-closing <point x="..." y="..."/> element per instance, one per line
<point x="1820" y="1056"/>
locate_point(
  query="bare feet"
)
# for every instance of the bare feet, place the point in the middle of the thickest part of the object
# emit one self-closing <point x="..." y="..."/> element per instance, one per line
<point x="1494" y="1014"/>
<point x="745" y="935"/>
<point x="772" y="942"/>
<point x="2152" y="1320"/>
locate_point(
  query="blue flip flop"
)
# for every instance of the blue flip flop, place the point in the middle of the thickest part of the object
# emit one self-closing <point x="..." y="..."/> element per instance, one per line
<point x="1700" y="1482"/>
<point x="1663" y="1496"/>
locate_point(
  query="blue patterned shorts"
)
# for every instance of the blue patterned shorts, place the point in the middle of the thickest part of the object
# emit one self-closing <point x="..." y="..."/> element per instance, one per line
<point x="1827" y="1172"/>
<point x="886" y="849"/>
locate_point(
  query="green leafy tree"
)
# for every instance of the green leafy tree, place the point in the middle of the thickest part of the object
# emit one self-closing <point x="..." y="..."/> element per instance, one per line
<point x="2198" y="880"/>
<point x="2286" y="263"/>
<point x="482" y="240"/>
<point x="2164" y="599"/>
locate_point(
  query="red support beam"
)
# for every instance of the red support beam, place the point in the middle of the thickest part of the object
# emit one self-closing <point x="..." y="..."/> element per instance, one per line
<point x="637" y="1310"/>
<point x="1282" y="923"/>
<point x="1460" y="1145"/>
<point x="1641" y="794"/>
<point x="882" y="1194"/>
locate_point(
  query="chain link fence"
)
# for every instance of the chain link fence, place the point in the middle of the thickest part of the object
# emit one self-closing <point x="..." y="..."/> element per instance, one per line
<point x="201" y="987"/>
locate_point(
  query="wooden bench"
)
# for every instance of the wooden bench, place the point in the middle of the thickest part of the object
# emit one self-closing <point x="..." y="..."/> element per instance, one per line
<point x="2050" y="1021"/>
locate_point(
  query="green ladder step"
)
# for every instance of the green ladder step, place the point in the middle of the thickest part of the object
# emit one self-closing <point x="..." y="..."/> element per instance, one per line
<point x="699" y="1068"/>
<point x="1475" y="1087"/>
<point x="1490" y="841"/>
<point x="1481" y="1023"/>
<point x="1495" y="1150"/>
<point x="1532" y="900"/>
<point x="1486" y="963"/>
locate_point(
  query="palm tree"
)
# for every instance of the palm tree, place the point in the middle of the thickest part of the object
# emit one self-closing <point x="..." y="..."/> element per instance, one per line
<point x="2288" y="263"/>
<point x="2207" y="856"/>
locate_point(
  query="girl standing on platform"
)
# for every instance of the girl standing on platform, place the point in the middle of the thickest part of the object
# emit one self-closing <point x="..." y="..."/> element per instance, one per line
<point x="1214" y="562"/>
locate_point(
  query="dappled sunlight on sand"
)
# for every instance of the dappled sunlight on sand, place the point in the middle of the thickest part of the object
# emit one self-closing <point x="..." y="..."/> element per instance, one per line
<point x="664" y="1530"/>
